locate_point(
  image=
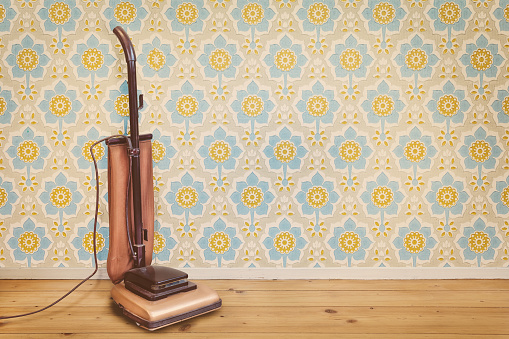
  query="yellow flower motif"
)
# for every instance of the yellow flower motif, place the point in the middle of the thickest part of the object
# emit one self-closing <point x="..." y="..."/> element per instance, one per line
<point x="158" y="151"/>
<point x="318" y="13"/>
<point x="98" y="151"/>
<point x="125" y="12"/>
<point x="317" y="197"/>
<point x="284" y="242"/>
<point x="349" y="242"/>
<point x="505" y="105"/>
<point x="122" y="105"/>
<point x="159" y="242"/>
<point x="481" y="59"/>
<point x="187" y="105"/>
<point x="416" y="59"/>
<point x="285" y="151"/>
<point x="350" y="59"/>
<point x="88" y="242"/>
<point x="415" y="151"/>
<point x="219" y="242"/>
<point x="252" y="197"/>
<point x="92" y="59"/>
<point x="504" y="196"/>
<point x="27" y="59"/>
<point x="382" y="197"/>
<point x="220" y="59"/>
<point x="252" y="105"/>
<point x="285" y="59"/>
<point x="382" y="105"/>
<point x="479" y="242"/>
<point x="479" y="151"/>
<point x="60" y="105"/>
<point x="252" y="13"/>
<point x="2" y="13"/>
<point x="447" y="196"/>
<point x="317" y="105"/>
<point x="414" y="242"/>
<point x="187" y="197"/>
<point x="3" y="106"/>
<point x="187" y="13"/>
<point x="60" y="197"/>
<point x="3" y="197"/>
<point x="449" y="13"/>
<point x="156" y="59"/>
<point x="350" y="151"/>
<point x="448" y="105"/>
<point x="506" y="13"/>
<point x="29" y="242"/>
<point x="384" y="13"/>
<point x="59" y="13"/>
<point x="28" y="151"/>
<point x="219" y="151"/>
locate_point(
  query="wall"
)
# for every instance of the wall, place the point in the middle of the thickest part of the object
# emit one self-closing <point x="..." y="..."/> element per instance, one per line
<point x="286" y="133"/>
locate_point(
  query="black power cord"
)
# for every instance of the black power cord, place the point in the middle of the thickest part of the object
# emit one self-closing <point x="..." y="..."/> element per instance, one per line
<point x="128" y="140"/>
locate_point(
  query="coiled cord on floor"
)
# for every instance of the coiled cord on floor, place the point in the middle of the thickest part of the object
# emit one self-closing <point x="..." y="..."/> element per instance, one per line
<point x="128" y="140"/>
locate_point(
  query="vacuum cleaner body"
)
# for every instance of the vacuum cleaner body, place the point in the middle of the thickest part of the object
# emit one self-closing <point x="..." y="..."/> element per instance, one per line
<point x="152" y="296"/>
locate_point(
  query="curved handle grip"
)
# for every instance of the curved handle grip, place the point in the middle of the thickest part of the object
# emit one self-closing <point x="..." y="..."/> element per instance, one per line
<point x="126" y="43"/>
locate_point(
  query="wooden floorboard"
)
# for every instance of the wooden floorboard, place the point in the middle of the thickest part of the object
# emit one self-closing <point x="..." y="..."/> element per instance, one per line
<point x="275" y="309"/>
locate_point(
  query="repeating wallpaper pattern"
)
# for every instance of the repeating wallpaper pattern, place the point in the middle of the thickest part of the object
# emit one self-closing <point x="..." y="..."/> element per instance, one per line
<point x="286" y="133"/>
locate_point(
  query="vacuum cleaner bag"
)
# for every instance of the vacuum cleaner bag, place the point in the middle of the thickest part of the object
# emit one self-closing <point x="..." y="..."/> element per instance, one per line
<point x="119" y="255"/>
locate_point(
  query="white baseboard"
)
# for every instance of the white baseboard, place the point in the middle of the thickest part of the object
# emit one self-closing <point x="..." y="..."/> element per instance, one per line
<point x="358" y="273"/>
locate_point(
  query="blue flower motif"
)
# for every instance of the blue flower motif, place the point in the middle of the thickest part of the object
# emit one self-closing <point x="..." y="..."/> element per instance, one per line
<point x="125" y="13"/>
<point x="350" y="242"/>
<point x="449" y="105"/>
<point x="285" y="241"/>
<point x="319" y="15"/>
<point x="449" y="14"/>
<point x="118" y="105"/>
<point x="384" y="15"/>
<point x="219" y="151"/>
<point x="9" y="14"/>
<point x="285" y="59"/>
<point x="501" y="105"/>
<point x="60" y="105"/>
<point x="7" y="197"/>
<point x="415" y="151"/>
<point x="220" y="59"/>
<point x="382" y="197"/>
<point x="414" y="242"/>
<point x="219" y="242"/>
<point x="383" y="105"/>
<point x="479" y="242"/>
<point x="499" y="13"/>
<point x="163" y="243"/>
<point x="350" y="151"/>
<point x="61" y="197"/>
<point x="285" y="150"/>
<point x="29" y="242"/>
<point x="83" y="242"/>
<point x="162" y="150"/>
<point x="351" y="59"/>
<point x="92" y="59"/>
<point x="52" y="18"/>
<point x="253" y="15"/>
<point x="187" y="105"/>
<point x="82" y="154"/>
<point x="480" y="150"/>
<point x="416" y="58"/>
<point x="501" y="196"/>
<point x="7" y="106"/>
<point x="27" y="60"/>
<point x="28" y="151"/>
<point x="252" y="106"/>
<point x="193" y="21"/>
<point x="156" y="59"/>
<point x="482" y="59"/>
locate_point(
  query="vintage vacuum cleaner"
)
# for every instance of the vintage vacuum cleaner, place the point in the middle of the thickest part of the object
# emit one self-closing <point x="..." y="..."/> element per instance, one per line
<point x="152" y="296"/>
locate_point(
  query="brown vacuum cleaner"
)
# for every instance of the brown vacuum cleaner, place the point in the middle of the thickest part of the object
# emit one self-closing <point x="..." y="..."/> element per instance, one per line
<point x="152" y="296"/>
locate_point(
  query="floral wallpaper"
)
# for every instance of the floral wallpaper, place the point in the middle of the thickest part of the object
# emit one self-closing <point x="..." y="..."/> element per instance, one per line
<point x="285" y="133"/>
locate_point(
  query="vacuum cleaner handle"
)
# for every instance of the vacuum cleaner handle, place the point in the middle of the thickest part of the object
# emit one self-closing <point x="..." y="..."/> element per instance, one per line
<point x="130" y="56"/>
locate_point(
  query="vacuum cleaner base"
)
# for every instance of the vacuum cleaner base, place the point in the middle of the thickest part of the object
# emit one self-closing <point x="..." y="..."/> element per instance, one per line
<point x="153" y="315"/>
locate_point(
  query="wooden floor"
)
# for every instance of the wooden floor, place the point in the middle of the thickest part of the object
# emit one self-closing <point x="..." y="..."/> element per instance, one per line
<point x="275" y="309"/>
